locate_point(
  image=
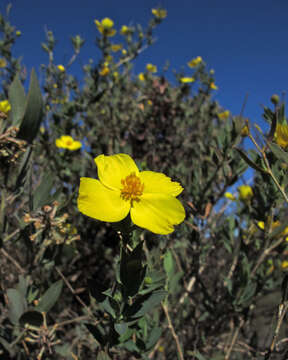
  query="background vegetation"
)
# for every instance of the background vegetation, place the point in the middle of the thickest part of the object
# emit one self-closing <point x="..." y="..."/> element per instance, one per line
<point x="69" y="289"/>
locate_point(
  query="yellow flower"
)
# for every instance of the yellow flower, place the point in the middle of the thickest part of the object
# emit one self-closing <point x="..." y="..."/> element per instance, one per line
<point x="150" y="197"/>
<point x="115" y="75"/>
<point x="116" y="47"/>
<point x="224" y="115"/>
<point x="67" y="142"/>
<point x="185" y="80"/>
<point x="141" y="77"/>
<point x="18" y="33"/>
<point x="105" y="27"/>
<point x="245" y="130"/>
<point x="284" y="264"/>
<point x="151" y="68"/>
<point x="159" y="13"/>
<point x="261" y="225"/>
<point x="281" y="135"/>
<point x="213" y="86"/>
<point x="5" y="106"/>
<point x="195" y="62"/>
<point x="3" y="63"/>
<point x="245" y="192"/>
<point x="229" y="196"/>
<point x="105" y="70"/>
<point x="124" y="51"/>
<point x="125" y="30"/>
<point x="61" y="68"/>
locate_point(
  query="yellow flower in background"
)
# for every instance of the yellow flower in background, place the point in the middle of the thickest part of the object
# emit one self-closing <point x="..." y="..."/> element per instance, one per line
<point x="105" y="27"/>
<point x="105" y="70"/>
<point x="148" y="196"/>
<point x="245" y="192"/>
<point x="151" y="68"/>
<point x="61" y="68"/>
<point x="141" y="77"/>
<point x="5" y="106"/>
<point x="186" y="80"/>
<point x="195" y="62"/>
<point x="224" y="115"/>
<point x="281" y="135"/>
<point x="18" y="33"/>
<point x="124" y="52"/>
<point x="213" y="86"/>
<point x="274" y="225"/>
<point x="67" y="142"/>
<point x="125" y="30"/>
<point x="3" y="63"/>
<point x="116" y="47"/>
<point x="115" y="75"/>
<point x="284" y="265"/>
<point x="159" y="13"/>
<point x="229" y="196"/>
<point x="245" y="131"/>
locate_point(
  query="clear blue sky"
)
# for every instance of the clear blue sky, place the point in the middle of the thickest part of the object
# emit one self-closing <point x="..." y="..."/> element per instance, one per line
<point x="245" y="41"/>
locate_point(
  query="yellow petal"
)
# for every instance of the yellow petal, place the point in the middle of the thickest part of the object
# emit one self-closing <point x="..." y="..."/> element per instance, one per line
<point x="157" y="213"/>
<point x="75" y="145"/>
<point x="155" y="182"/>
<point x="101" y="203"/>
<point x="112" y="169"/>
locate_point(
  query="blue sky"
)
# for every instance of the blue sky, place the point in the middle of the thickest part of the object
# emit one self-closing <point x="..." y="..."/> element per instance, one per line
<point x="244" y="42"/>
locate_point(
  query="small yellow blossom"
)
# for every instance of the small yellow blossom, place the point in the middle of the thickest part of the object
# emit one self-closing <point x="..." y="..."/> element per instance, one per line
<point x="105" y="27"/>
<point x="245" y="131"/>
<point x="61" y="68"/>
<point x="224" y="115"/>
<point x="124" y="52"/>
<point x="55" y="86"/>
<point x="115" y="75"/>
<point x="213" y="86"/>
<point x="185" y="80"/>
<point x="195" y="62"/>
<point x="116" y="47"/>
<point x="149" y="102"/>
<point x="42" y="129"/>
<point x="3" y="63"/>
<point x="284" y="264"/>
<point x="151" y="68"/>
<point x="245" y="192"/>
<point x="125" y="30"/>
<point x="159" y="13"/>
<point x="67" y="142"/>
<point x="261" y="225"/>
<point x="18" y="33"/>
<point x="141" y="76"/>
<point x="5" y="106"/>
<point x="149" y="197"/>
<point x="229" y="196"/>
<point x="105" y="70"/>
<point x="281" y="135"/>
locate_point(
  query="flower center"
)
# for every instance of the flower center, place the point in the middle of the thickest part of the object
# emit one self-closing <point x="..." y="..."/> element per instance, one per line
<point x="132" y="188"/>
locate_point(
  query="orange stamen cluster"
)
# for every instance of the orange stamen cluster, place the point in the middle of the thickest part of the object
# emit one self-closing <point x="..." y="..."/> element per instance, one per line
<point x="132" y="188"/>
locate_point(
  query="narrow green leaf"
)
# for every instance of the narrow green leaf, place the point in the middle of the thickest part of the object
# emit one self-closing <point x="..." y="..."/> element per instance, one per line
<point x="250" y="162"/>
<point x="153" y="337"/>
<point x="278" y="152"/>
<point x="50" y="297"/>
<point x="145" y="303"/>
<point x="17" y="305"/>
<point x="98" y="336"/>
<point x="121" y="328"/>
<point x="169" y="264"/>
<point x="17" y="99"/>
<point x="42" y="193"/>
<point x="33" y="111"/>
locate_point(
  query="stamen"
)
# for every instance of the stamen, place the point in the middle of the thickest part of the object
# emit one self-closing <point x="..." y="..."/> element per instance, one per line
<point x="132" y="188"/>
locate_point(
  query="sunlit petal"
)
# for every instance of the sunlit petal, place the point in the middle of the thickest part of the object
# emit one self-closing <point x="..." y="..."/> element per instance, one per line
<point x="112" y="169"/>
<point x="157" y="213"/>
<point x="155" y="182"/>
<point x="100" y="203"/>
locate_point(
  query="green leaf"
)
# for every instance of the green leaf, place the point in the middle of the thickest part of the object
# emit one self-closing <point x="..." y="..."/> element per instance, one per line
<point x="278" y="152"/>
<point x="42" y="193"/>
<point x="97" y="334"/>
<point x="169" y="264"/>
<point x="17" y="305"/>
<point x="33" y="111"/>
<point x="250" y="162"/>
<point x="102" y="356"/>
<point x="50" y="297"/>
<point x="145" y="303"/>
<point x="34" y="318"/>
<point x="121" y="328"/>
<point x="153" y="337"/>
<point x="17" y="99"/>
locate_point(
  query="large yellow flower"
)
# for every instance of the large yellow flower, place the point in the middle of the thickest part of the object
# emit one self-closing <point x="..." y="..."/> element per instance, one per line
<point x="149" y="196"/>
<point x="67" y="142"/>
<point x="281" y="135"/>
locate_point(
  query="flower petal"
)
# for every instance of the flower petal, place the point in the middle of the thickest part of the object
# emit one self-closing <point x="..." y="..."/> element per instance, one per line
<point x="112" y="169"/>
<point x="155" y="182"/>
<point x="100" y="203"/>
<point x="75" y="145"/>
<point x="157" y="213"/>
